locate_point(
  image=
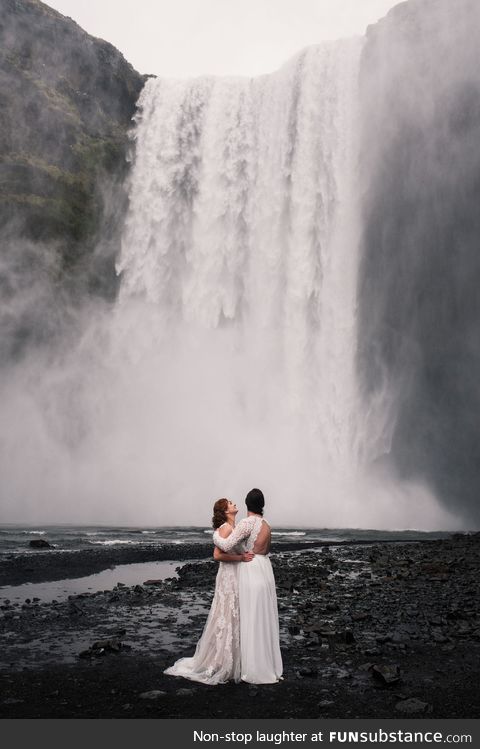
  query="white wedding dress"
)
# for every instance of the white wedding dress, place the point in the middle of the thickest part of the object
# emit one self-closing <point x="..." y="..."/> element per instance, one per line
<point x="261" y="660"/>
<point x="217" y="655"/>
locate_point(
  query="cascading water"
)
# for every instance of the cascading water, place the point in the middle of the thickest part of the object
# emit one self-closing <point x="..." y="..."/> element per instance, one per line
<point x="229" y="359"/>
<point x="239" y="268"/>
<point x="242" y="235"/>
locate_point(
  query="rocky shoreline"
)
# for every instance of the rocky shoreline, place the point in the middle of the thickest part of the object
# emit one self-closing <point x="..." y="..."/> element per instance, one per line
<point x="379" y="630"/>
<point x="46" y="564"/>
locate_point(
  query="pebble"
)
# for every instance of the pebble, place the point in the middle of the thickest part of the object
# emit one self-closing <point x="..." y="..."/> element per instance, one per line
<point x="154" y="694"/>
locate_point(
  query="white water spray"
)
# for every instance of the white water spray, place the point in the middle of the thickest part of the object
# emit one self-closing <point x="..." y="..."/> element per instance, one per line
<point x="229" y="359"/>
<point x="242" y="233"/>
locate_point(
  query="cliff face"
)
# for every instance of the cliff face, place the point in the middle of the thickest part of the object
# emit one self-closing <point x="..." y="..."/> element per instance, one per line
<point x="419" y="286"/>
<point x="66" y="103"/>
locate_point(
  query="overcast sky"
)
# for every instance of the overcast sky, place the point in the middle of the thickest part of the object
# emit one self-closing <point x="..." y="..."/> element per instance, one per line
<point x="223" y="37"/>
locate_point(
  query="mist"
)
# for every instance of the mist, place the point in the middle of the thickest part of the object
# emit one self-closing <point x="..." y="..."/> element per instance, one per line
<point x="418" y="300"/>
<point x="102" y="433"/>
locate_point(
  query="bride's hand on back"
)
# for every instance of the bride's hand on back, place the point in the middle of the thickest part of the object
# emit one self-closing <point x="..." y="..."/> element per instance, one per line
<point x="247" y="556"/>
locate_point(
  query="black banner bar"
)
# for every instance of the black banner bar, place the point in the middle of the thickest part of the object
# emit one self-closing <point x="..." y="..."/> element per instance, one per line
<point x="192" y="733"/>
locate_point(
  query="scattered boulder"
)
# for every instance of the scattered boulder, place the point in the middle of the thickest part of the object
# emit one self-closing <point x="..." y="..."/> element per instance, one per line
<point x="360" y="616"/>
<point x="366" y="666"/>
<point x="101" y="647"/>
<point x="40" y="543"/>
<point x="347" y="637"/>
<point x="412" y="706"/>
<point x="386" y="674"/>
<point x="323" y="704"/>
<point x="287" y="584"/>
<point x="438" y="636"/>
<point x="153" y="694"/>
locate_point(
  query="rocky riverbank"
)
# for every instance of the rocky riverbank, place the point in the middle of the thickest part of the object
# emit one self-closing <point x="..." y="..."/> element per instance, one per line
<point x="48" y="563"/>
<point x="381" y="630"/>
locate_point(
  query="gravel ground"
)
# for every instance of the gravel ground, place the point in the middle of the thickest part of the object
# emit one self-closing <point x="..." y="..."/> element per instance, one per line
<point x="378" y="630"/>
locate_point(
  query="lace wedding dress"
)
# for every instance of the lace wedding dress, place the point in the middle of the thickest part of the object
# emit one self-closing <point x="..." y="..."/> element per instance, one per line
<point x="217" y="655"/>
<point x="261" y="659"/>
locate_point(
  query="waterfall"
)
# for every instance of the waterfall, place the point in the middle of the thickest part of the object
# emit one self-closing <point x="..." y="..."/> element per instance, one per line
<point x="242" y="235"/>
<point x="229" y="359"/>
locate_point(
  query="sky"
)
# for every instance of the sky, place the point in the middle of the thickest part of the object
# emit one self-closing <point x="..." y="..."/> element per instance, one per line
<point x="184" y="38"/>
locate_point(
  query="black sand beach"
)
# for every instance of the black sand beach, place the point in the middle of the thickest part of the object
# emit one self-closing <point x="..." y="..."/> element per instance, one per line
<point x="373" y="630"/>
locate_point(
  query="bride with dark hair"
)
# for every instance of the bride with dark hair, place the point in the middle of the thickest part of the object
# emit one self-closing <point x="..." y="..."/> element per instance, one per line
<point x="217" y="655"/>
<point x="260" y="655"/>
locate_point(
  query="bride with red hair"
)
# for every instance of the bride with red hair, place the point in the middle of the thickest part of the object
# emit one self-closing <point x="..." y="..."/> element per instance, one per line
<point x="217" y="655"/>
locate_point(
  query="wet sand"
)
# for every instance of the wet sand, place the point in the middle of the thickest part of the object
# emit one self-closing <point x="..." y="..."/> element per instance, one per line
<point x="381" y="630"/>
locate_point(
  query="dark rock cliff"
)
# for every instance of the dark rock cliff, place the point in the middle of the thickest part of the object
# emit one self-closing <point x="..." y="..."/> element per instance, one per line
<point x="419" y="296"/>
<point x="66" y="103"/>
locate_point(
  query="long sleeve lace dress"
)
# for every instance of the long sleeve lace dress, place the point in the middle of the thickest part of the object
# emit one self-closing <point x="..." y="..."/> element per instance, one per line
<point x="217" y="655"/>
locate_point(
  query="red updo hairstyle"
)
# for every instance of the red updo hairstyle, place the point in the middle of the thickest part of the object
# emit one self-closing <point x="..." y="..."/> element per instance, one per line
<point x="220" y="512"/>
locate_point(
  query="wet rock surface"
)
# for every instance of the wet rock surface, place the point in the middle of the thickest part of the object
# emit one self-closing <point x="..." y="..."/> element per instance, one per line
<point x="58" y="564"/>
<point x="385" y="630"/>
<point x="67" y="103"/>
<point x="39" y="543"/>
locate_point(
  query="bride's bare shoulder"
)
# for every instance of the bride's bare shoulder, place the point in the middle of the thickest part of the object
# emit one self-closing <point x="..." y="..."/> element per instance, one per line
<point x="225" y="530"/>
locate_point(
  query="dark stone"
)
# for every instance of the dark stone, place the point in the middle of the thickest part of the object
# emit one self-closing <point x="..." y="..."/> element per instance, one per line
<point x="154" y="694"/>
<point x="438" y="636"/>
<point x="412" y="706"/>
<point x="386" y="674"/>
<point x="360" y="617"/>
<point x="325" y="704"/>
<point x="347" y="637"/>
<point x="40" y="543"/>
<point x="286" y="584"/>
<point x="102" y="647"/>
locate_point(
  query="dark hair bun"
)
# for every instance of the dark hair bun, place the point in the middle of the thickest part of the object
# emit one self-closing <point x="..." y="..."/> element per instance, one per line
<point x="255" y="501"/>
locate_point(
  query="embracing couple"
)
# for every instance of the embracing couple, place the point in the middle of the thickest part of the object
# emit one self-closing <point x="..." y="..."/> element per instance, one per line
<point x="240" y="640"/>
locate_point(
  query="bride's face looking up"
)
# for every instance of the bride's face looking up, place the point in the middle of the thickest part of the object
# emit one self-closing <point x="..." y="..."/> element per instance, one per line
<point x="231" y="510"/>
